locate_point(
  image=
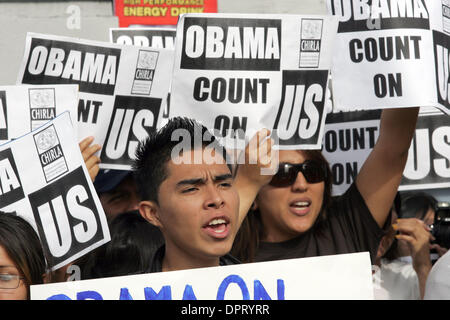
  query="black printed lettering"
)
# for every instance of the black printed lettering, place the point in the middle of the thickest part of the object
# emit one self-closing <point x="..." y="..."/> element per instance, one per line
<point x="235" y="127"/>
<point x="132" y="120"/>
<point x="301" y="109"/>
<point x="85" y="113"/>
<point x="383" y="48"/>
<point x="391" y="85"/>
<point x="10" y="184"/>
<point x="441" y="53"/>
<point x="145" y="37"/>
<point x="344" y="173"/>
<point x="233" y="90"/>
<point x="3" y="117"/>
<point x="231" y="44"/>
<point x="66" y="217"/>
<point x="429" y="155"/>
<point x="354" y="15"/>
<point x="93" y="68"/>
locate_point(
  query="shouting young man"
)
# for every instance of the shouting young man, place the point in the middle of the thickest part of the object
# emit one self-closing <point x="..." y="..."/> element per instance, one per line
<point x="188" y="191"/>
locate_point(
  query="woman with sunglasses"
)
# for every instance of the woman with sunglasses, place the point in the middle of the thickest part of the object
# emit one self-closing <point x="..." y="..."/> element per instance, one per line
<point x="22" y="261"/>
<point x="294" y="216"/>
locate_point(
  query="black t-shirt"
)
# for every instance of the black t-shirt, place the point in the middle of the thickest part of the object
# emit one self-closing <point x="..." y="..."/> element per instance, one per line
<point x="349" y="227"/>
<point x="156" y="265"/>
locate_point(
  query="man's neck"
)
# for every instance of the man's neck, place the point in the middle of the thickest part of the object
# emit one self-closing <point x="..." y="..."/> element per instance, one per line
<point x="175" y="259"/>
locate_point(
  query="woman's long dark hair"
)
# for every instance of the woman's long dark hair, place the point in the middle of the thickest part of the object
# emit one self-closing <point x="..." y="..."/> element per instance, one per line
<point x="251" y="231"/>
<point x="22" y="244"/>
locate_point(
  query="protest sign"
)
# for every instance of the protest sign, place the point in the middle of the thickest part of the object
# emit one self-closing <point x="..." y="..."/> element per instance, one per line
<point x="350" y="137"/>
<point x="25" y="108"/>
<point x="43" y="179"/>
<point x="236" y="73"/>
<point x="158" y="12"/>
<point x="384" y="55"/>
<point x="346" y="276"/>
<point x="144" y="37"/>
<point x="122" y="89"/>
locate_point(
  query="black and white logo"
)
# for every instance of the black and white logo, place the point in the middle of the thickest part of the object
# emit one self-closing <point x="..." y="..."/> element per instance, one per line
<point x="301" y="109"/>
<point x="145" y="72"/>
<point x="3" y="117"/>
<point x="132" y="120"/>
<point x="310" y="43"/>
<point x="10" y="186"/>
<point x="66" y="217"/>
<point x="50" y="153"/>
<point x="42" y="106"/>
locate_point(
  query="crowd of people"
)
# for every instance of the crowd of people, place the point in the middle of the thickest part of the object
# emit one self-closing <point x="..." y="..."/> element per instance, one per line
<point x="169" y="215"/>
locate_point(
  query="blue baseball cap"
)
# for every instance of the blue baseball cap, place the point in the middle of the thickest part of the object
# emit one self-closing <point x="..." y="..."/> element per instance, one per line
<point x="108" y="179"/>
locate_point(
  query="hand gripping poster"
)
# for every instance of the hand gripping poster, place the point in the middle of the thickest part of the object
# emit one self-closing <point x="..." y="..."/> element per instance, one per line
<point x="238" y="73"/>
<point x="24" y="108"/>
<point x="122" y="89"/>
<point x="44" y="180"/>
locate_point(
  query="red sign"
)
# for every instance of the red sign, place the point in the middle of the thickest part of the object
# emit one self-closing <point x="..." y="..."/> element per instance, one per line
<point x="158" y="12"/>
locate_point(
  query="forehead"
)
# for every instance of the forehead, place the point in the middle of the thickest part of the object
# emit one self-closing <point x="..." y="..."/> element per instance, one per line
<point x="292" y="156"/>
<point x="197" y="163"/>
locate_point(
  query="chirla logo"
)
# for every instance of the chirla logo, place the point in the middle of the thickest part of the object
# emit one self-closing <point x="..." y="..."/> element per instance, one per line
<point x="310" y="43"/>
<point x="42" y="106"/>
<point x="50" y="153"/>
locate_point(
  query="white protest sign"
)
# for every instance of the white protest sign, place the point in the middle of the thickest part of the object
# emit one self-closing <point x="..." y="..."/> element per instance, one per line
<point x="123" y="89"/>
<point x="24" y="108"/>
<point x="346" y="276"/>
<point x="43" y="179"/>
<point x="350" y="137"/>
<point x="238" y="73"/>
<point x="384" y="55"/>
<point x="144" y="37"/>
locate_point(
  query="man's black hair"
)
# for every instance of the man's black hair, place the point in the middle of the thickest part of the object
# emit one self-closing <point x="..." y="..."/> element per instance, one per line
<point x="153" y="153"/>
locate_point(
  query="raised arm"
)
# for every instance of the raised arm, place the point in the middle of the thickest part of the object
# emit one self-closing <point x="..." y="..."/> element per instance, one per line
<point x="259" y="155"/>
<point x="380" y="176"/>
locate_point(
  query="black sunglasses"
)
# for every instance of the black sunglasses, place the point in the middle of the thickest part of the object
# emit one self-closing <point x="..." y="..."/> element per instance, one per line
<point x="313" y="171"/>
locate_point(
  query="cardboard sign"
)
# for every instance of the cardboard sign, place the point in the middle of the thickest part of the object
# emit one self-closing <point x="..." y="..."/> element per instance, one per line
<point x="25" y="108"/>
<point x="158" y="12"/>
<point x="122" y="88"/>
<point x="238" y="73"/>
<point x="144" y="37"/>
<point x="43" y="179"/>
<point x="350" y="137"/>
<point x="346" y="276"/>
<point x="384" y="56"/>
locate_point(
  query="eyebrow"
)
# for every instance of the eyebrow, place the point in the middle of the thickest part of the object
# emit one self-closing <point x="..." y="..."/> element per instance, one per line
<point x="197" y="181"/>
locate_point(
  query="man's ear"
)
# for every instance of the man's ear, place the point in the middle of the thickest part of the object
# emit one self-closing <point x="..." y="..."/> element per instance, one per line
<point x="149" y="210"/>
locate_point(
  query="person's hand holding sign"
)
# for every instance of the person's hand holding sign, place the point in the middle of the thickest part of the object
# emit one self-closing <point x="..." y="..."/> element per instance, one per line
<point x="257" y="164"/>
<point x="90" y="159"/>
